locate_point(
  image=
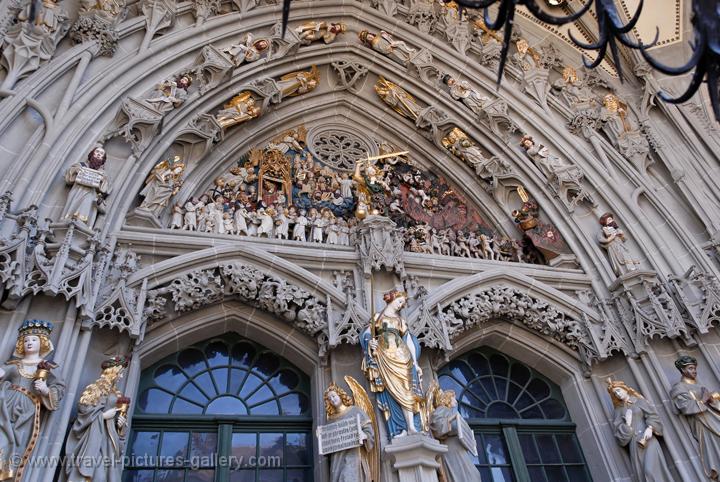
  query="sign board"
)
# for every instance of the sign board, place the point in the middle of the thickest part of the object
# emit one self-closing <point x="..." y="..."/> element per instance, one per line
<point x="341" y="435"/>
<point x="466" y="435"/>
<point x="89" y="177"/>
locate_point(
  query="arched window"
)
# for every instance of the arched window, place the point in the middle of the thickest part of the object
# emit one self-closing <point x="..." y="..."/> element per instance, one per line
<point x="522" y="427"/>
<point x="226" y="409"/>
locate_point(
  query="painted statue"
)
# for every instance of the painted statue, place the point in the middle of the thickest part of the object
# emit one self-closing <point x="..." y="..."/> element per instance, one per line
<point x="637" y="425"/>
<point x="457" y="462"/>
<point x="27" y="388"/>
<point x="390" y="363"/>
<point x="359" y="464"/>
<point x="385" y="44"/>
<point x="94" y="446"/>
<point x="170" y="94"/>
<point x="239" y="109"/>
<point x="612" y="239"/>
<point x="311" y="31"/>
<point x="249" y="50"/>
<point x="462" y="91"/>
<point x="298" y="83"/>
<point x="89" y="187"/>
<point x="702" y="409"/>
<point x="163" y="183"/>
<point x="398" y="98"/>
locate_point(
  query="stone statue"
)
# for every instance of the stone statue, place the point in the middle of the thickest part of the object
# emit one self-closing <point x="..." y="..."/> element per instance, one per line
<point x="163" y="183"/>
<point x="170" y="94"/>
<point x="385" y="44"/>
<point x="241" y="108"/>
<point x="94" y="446"/>
<point x="702" y="408"/>
<point x="462" y="91"/>
<point x="89" y="188"/>
<point x="27" y="386"/>
<point x="249" y="50"/>
<point x="460" y="145"/>
<point x="612" y="239"/>
<point x="457" y="462"/>
<point x="298" y="83"/>
<point x="636" y="426"/>
<point x="398" y="98"/>
<point x="311" y="31"/>
<point x="390" y="363"/>
<point x="356" y="464"/>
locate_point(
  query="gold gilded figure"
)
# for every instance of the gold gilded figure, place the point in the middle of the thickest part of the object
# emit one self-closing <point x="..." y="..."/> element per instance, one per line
<point x="398" y="98"/>
<point x="239" y="109"/>
<point x="298" y="83"/>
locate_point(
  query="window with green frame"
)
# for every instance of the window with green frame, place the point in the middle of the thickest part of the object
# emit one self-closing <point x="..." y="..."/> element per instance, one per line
<point x="522" y="427"/>
<point x="226" y="409"/>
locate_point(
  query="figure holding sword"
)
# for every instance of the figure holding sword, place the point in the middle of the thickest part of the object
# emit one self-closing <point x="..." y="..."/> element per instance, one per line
<point x="369" y="183"/>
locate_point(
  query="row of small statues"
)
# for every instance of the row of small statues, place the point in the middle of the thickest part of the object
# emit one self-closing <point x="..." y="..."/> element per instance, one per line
<point x="276" y="221"/>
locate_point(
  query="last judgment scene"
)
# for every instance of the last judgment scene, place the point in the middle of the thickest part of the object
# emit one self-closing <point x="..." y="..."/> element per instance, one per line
<point x="359" y="241"/>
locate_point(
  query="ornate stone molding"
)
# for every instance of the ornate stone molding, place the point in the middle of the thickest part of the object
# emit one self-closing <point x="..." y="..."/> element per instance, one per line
<point x="380" y="244"/>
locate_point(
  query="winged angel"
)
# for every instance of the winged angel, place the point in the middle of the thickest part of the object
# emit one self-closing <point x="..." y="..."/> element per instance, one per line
<point x="359" y="464"/>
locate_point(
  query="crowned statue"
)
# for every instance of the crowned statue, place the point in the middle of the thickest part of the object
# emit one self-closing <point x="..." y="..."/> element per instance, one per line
<point x="361" y="463"/>
<point x="391" y="366"/>
<point x="27" y="388"/>
<point x="94" y="446"/>
<point x="637" y="425"/>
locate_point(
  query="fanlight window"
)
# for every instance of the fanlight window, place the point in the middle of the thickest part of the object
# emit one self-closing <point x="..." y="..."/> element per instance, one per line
<point x="226" y="379"/>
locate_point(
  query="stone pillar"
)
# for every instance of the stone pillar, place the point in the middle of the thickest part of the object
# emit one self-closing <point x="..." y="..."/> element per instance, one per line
<point x="416" y="457"/>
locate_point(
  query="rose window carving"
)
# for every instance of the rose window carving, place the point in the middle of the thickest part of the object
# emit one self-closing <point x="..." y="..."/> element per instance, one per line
<point x="339" y="149"/>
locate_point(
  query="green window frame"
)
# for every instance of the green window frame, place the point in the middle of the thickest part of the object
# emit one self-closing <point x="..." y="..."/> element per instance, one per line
<point x="522" y="427"/>
<point x="226" y="409"/>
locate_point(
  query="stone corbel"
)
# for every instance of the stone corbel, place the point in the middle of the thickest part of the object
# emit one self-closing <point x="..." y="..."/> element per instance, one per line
<point x="137" y="123"/>
<point x="212" y="68"/>
<point x="159" y="15"/>
<point x="380" y="245"/>
<point x="100" y="26"/>
<point x="698" y="296"/>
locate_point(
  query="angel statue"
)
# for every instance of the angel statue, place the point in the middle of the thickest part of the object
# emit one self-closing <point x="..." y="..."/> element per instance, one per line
<point x="239" y="109"/>
<point x="27" y="388"/>
<point x="637" y="425"/>
<point x="447" y="425"/>
<point x="362" y="463"/>
<point x="391" y="366"/>
<point x="398" y="98"/>
<point x="298" y="83"/>
<point x="163" y="183"/>
<point x="95" y="443"/>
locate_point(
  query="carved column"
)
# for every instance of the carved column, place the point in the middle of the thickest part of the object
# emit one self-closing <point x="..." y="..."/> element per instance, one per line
<point x="416" y="457"/>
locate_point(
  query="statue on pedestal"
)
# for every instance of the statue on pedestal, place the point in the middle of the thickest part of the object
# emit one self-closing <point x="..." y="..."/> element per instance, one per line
<point x="637" y="425"/>
<point x="702" y="409"/>
<point x="27" y="385"/>
<point x="447" y="426"/>
<point x="612" y="238"/>
<point x="359" y="464"/>
<point x="89" y="188"/>
<point x="391" y="366"/>
<point x="95" y="444"/>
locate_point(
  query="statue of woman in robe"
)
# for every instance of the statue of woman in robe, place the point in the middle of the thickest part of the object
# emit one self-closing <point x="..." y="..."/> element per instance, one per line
<point x="89" y="188"/>
<point x="637" y="425"/>
<point x="702" y="409"/>
<point x="612" y="238"/>
<point x="95" y="443"/>
<point x="163" y="183"/>
<point x="27" y="386"/>
<point x="457" y="462"/>
<point x="391" y="366"/>
<point x="356" y="464"/>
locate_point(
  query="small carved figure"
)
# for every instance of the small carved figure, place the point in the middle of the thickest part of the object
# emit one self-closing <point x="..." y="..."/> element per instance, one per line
<point x="638" y="426"/>
<point x="163" y="183"/>
<point x="702" y="409"/>
<point x="89" y="187"/>
<point x="311" y="31"/>
<point x="461" y="146"/>
<point x="190" y="217"/>
<point x="462" y="91"/>
<point x="249" y="50"/>
<point x="298" y="83"/>
<point x="612" y="239"/>
<point x="27" y="387"/>
<point x="445" y="422"/>
<point x="170" y="94"/>
<point x="177" y="217"/>
<point x="385" y="44"/>
<point x="299" y="229"/>
<point x="239" y="109"/>
<point x="398" y="98"/>
<point x="95" y="443"/>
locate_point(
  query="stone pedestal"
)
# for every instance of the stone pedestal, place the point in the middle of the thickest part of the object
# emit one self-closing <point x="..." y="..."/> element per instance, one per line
<point x="416" y="457"/>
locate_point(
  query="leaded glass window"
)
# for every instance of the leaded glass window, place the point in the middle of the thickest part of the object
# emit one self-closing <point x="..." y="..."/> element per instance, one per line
<point x="225" y="409"/>
<point x="522" y="427"/>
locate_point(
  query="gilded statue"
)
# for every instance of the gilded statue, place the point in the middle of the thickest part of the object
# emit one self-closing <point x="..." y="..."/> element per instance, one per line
<point x="398" y="98"/>
<point x="390" y="363"/>
<point x="446" y="425"/>
<point x="239" y="109"/>
<point x="612" y="239"/>
<point x="298" y="83"/>
<point x="385" y="44"/>
<point x="163" y="183"/>
<point x="28" y="387"/>
<point x="94" y="446"/>
<point x="327" y="31"/>
<point x="637" y="426"/>
<point x="702" y="409"/>
<point x="249" y="50"/>
<point x="461" y="146"/>
<point x="359" y="464"/>
<point x="526" y="57"/>
<point x="89" y="187"/>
